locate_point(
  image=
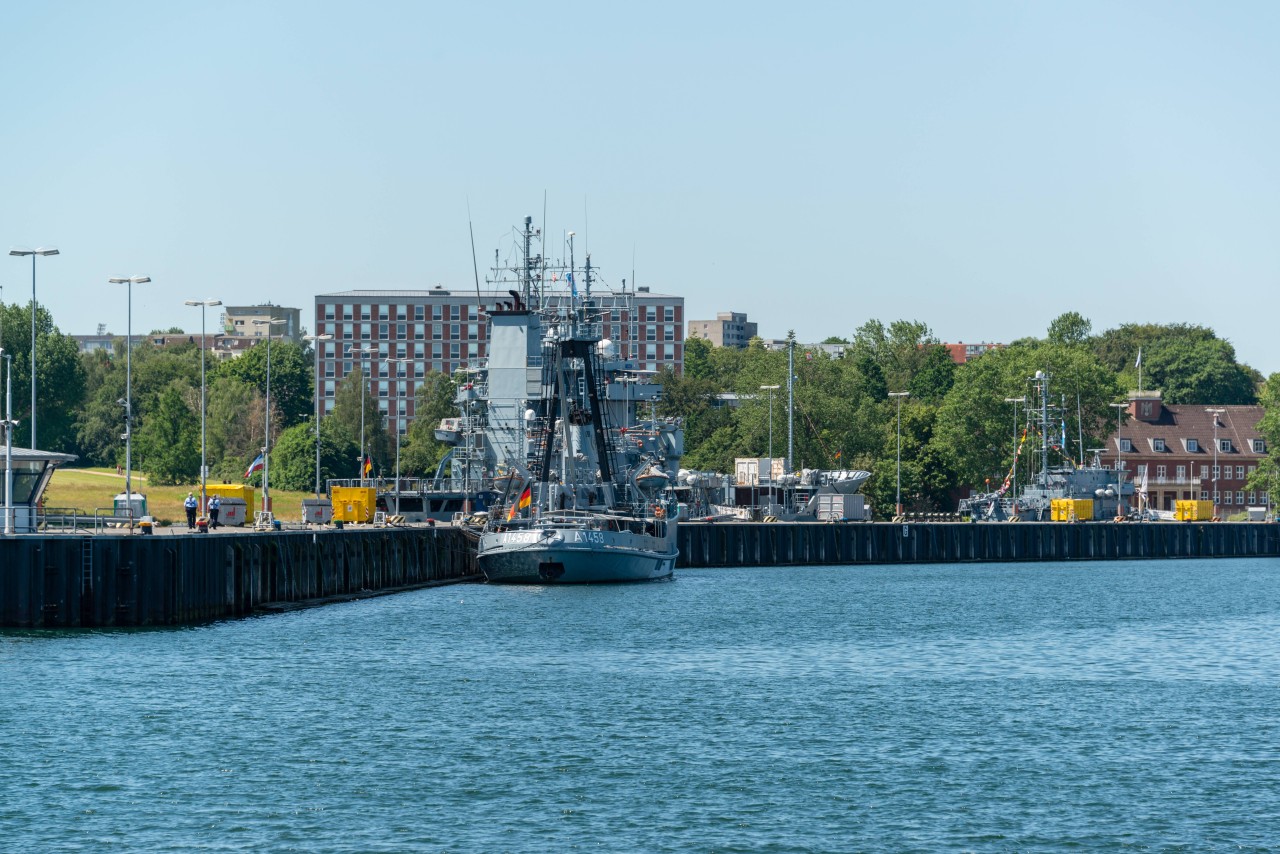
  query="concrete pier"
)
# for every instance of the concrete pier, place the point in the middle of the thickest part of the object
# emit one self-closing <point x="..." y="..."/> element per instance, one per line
<point x="67" y="581"/>
<point x="795" y="544"/>
<point x="70" y="581"/>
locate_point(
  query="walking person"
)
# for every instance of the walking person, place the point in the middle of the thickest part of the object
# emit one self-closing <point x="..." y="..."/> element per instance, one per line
<point x="190" y="504"/>
<point x="215" y="507"/>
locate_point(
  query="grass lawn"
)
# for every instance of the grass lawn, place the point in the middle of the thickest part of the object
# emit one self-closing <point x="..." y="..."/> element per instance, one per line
<point x="88" y="489"/>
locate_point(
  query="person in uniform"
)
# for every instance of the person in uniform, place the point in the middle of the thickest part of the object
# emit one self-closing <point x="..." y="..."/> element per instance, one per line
<point x="215" y="507"/>
<point x="190" y="505"/>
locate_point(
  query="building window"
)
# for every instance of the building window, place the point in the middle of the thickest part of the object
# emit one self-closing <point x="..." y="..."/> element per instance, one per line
<point x="1259" y="446"/>
<point x="364" y="312"/>
<point x="454" y="312"/>
<point x="1161" y="472"/>
<point x="651" y="333"/>
<point x="1125" y="446"/>
<point x="401" y="312"/>
<point x="346" y="312"/>
<point x="454" y="350"/>
<point x="384" y="312"/>
<point x="650" y="313"/>
<point x="473" y="331"/>
<point x="1239" y="472"/>
<point x="346" y="331"/>
<point x="1157" y="444"/>
<point x="329" y="312"/>
<point x="383" y="331"/>
<point x="1253" y="498"/>
<point x="419" y="312"/>
<point x="1193" y="446"/>
<point x="419" y="331"/>
<point x="1224" y="446"/>
<point x="402" y="331"/>
<point x="437" y="331"/>
<point x="669" y="333"/>
<point x="669" y="313"/>
<point x="1204" y="495"/>
<point x="328" y="388"/>
<point x="382" y="388"/>
<point x="1217" y="473"/>
<point x="365" y="329"/>
<point x="1204" y="472"/>
<point x="1264" y="498"/>
<point x="437" y="312"/>
<point x="1182" y="473"/>
<point x="668" y="352"/>
<point x="455" y="330"/>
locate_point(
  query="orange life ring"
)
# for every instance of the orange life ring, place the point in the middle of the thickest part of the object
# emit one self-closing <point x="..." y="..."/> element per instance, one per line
<point x="659" y="513"/>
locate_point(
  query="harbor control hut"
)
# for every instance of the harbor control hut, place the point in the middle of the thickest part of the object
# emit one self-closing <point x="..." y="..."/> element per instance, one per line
<point x="32" y="470"/>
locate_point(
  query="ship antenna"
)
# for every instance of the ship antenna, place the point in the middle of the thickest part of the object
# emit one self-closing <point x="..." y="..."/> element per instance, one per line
<point x="474" y="266"/>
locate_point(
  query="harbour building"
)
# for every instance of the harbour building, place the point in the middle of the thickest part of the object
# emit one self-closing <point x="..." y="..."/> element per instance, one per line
<point x="445" y="330"/>
<point x="1190" y="452"/>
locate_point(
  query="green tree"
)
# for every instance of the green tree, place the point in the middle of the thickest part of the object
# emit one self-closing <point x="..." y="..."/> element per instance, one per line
<point x="420" y="451"/>
<point x="168" y="441"/>
<point x="60" y="380"/>
<point x="1267" y="477"/>
<point x="292" y="377"/>
<point x="346" y="414"/>
<point x="235" y="417"/>
<point x="1188" y="363"/>
<point x="1070" y="328"/>
<point x="293" y="459"/>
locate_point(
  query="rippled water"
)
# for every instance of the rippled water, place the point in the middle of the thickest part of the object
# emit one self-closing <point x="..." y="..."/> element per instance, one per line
<point x="998" y="707"/>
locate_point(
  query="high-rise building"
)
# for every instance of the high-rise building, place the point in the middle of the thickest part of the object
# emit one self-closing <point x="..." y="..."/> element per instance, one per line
<point x="445" y="330"/>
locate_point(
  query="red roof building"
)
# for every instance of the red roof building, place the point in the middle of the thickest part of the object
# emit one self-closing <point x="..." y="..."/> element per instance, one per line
<point x="1190" y="452"/>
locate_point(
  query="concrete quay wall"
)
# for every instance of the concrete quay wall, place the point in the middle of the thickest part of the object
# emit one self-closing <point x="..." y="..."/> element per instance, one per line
<point x="794" y="544"/>
<point x="69" y="581"/>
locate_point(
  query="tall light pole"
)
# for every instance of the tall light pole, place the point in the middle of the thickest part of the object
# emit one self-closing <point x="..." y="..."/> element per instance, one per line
<point x="771" y="389"/>
<point x="1215" y="413"/>
<point x="791" y="398"/>
<point x="1120" y="410"/>
<point x="43" y="251"/>
<point x="399" y="369"/>
<point x="315" y="347"/>
<point x="1015" y="401"/>
<point x="266" y="448"/>
<point x="364" y="353"/>
<point x="9" y="424"/>
<point x="204" y="469"/>
<point x="128" y="282"/>
<point x="899" y="395"/>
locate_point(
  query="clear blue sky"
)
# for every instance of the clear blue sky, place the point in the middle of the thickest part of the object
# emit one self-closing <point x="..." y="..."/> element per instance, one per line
<point x="982" y="167"/>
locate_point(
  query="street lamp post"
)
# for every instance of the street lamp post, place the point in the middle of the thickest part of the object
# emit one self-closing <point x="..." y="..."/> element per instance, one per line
<point x="128" y="282"/>
<point x="1120" y="410"/>
<point x="400" y="363"/>
<point x="42" y="251"/>
<point x="900" y="395"/>
<point x="771" y="389"/>
<point x="1215" y="413"/>
<point x="364" y="361"/>
<point x="204" y="469"/>
<point x="315" y="346"/>
<point x="1014" y="488"/>
<point x="266" y="448"/>
<point x="9" y="424"/>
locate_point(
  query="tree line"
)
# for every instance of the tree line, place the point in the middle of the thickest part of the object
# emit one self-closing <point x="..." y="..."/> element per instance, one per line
<point x="957" y="430"/>
<point x="80" y="408"/>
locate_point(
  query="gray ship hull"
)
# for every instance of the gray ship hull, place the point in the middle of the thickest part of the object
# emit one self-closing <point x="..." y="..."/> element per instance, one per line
<point x="553" y="555"/>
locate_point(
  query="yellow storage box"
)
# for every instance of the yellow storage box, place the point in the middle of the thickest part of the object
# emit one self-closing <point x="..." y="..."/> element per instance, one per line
<point x="1193" y="511"/>
<point x="1071" y="509"/>
<point x="247" y="494"/>
<point x="353" y="503"/>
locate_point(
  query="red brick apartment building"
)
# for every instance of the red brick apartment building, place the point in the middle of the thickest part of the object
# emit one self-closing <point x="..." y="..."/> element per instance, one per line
<point x="1187" y="450"/>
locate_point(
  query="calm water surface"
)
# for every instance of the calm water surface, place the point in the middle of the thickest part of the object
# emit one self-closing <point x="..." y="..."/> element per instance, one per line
<point x="998" y="707"/>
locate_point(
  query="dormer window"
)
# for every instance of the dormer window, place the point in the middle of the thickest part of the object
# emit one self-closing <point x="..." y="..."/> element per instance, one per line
<point x="1193" y="446"/>
<point x="1125" y="446"/>
<point x="1259" y="446"/>
<point x="1224" y="446"/>
<point x="1157" y="444"/>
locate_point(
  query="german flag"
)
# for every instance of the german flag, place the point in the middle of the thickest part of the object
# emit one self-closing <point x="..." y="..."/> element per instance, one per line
<point x="526" y="498"/>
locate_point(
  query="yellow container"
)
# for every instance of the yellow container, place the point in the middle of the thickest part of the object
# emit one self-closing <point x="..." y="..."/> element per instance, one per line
<point x="1193" y="511"/>
<point x="1071" y="509"/>
<point x="353" y="503"/>
<point x="247" y="494"/>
